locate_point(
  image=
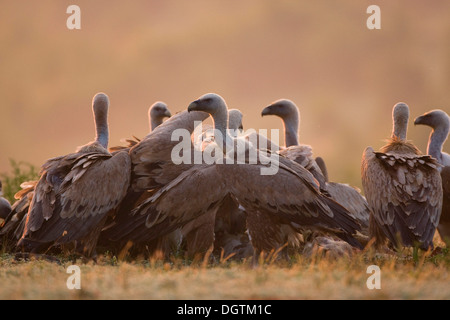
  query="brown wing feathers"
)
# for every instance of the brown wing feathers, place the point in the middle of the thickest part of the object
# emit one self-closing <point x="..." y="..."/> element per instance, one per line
<point x="148" y="197"/>
<point x="408" y="202"/>
<point x="69" y="205"/>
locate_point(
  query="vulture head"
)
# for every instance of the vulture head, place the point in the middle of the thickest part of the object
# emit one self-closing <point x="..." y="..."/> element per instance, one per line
<point x="157" y="112"/>
<point x="288" y="112"/>
<point x="282" y="108"/>
<point x="434" y="119"/>
<point x="210" y="103"/>
<point x="100" y="105"/>
<point x="235" y="120"/>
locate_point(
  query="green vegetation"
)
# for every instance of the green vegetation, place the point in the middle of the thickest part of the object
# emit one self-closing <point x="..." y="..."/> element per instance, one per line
<point x="20" y="172"/>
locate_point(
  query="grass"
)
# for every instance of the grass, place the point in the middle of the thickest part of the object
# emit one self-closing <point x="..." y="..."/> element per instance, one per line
<point x="302" y="278"/>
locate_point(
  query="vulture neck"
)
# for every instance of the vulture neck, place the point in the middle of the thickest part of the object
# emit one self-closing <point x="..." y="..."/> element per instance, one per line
<point x="155" y="122"/>
<point x="101" y="127"/>
<point x="436" y="142"/>
<point x="400" y="128"/>
<point x="291" y="131"/>
<point x="220" y="118"/>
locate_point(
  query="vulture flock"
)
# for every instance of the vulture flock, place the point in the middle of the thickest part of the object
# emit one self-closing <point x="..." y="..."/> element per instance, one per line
<point x="136" y="200"/>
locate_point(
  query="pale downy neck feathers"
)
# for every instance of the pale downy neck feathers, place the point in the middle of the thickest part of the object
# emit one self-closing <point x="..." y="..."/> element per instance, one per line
<point x="400" y="116"/>
<point x="100" y="105"/>
<point x="220" y="119"/>
<point x="235" y="128"/>
<point x="235" y="122"/>
<point x="291" y="131"/>
<point x="217" y="108"/>
<point x="398" y="143"/>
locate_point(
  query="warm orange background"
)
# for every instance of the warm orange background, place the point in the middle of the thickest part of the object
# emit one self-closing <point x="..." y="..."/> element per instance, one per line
<point x="344" y="78"/>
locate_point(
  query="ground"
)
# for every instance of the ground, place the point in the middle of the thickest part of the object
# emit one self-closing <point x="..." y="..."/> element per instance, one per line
<point x="402" y="277"/>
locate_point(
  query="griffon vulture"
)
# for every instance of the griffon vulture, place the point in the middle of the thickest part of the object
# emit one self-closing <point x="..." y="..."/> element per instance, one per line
<point x="301" y="153"/>
<point x="14" y="223"/>
<point x="439" y="121"/>
<point x="157" y="113"/>
<point x="223" y="228"/>
<point x="287" y="201"/>
<point x="403" y="189"/>
<point x="152" y="168"/>
<point x="76" y="193"/>
<point x="345" y="195"/>
<point x="212" y="230"/>
<point x="198" y="233"/>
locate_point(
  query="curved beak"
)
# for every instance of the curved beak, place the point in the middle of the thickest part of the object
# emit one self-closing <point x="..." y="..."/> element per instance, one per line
<point x="267" y="111"/>
<point x="193" y="106"/>
<point x="420" y="120"/>
<point x="167" y="114"/>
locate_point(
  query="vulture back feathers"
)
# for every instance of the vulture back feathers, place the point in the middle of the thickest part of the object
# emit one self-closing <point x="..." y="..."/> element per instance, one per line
<point x="76" y="192"/>
<point x="403" y="189"/>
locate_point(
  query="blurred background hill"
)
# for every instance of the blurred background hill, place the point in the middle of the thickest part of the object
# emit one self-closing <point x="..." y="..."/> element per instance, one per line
<point x="320" y="54"/>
